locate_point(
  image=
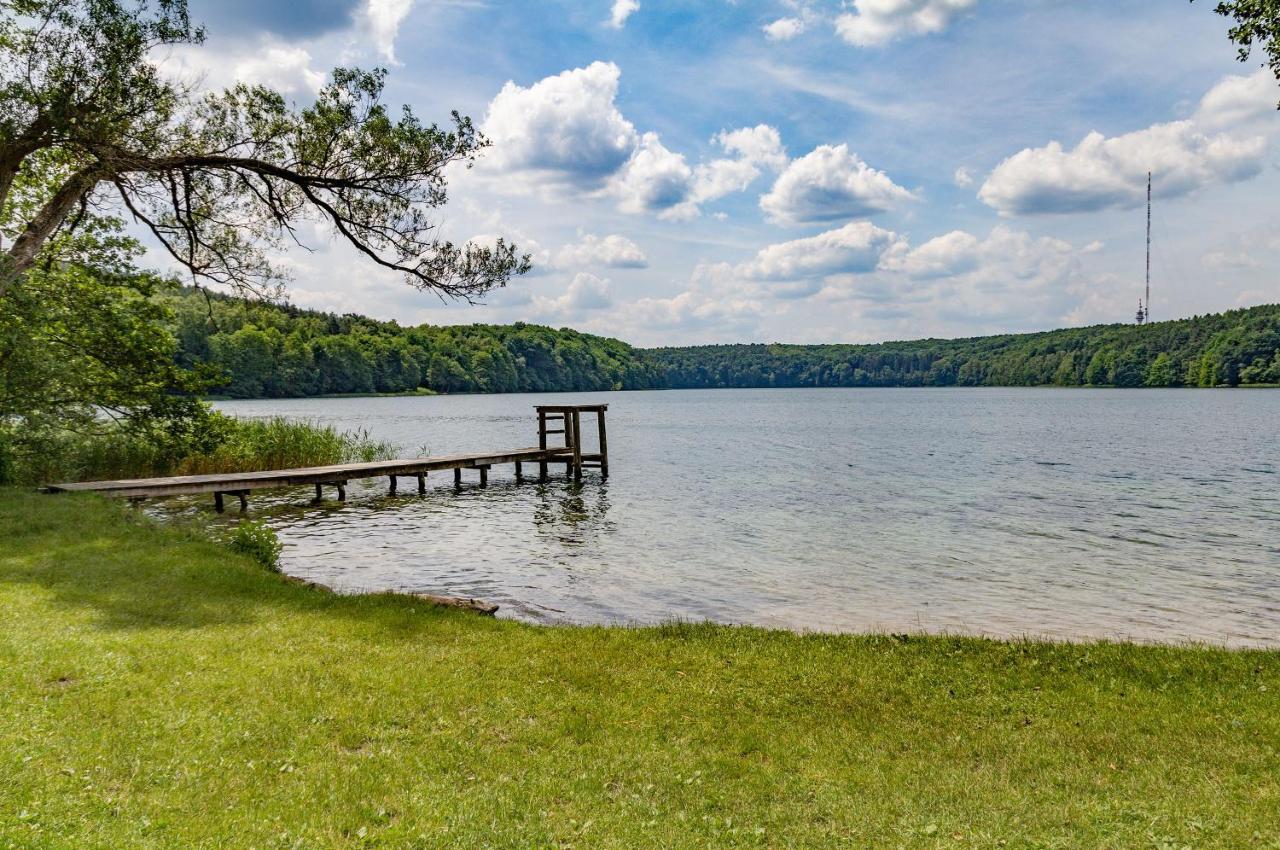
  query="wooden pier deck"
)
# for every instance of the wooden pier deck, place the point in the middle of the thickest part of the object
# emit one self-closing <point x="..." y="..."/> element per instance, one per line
<point x="240" y="484"/>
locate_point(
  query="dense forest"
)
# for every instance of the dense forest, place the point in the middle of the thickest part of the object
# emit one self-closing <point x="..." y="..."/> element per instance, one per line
<point x="1241" y="347"/>
<point x="277" y="351"/>
<point x="272" y="351"/>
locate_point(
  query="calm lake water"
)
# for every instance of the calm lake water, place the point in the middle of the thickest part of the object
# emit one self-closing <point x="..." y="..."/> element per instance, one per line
<point x="1150" y="515"/>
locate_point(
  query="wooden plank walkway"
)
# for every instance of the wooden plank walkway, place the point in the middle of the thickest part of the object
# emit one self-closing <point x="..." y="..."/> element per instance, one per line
<point x="240" y="484"/>
<point x="236" y="483"/>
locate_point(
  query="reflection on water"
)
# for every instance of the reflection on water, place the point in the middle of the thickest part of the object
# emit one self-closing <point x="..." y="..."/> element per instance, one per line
<point x="1146" y="514"/>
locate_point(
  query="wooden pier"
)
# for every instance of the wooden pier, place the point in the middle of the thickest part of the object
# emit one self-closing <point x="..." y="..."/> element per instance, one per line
<point x="240" y="484"/>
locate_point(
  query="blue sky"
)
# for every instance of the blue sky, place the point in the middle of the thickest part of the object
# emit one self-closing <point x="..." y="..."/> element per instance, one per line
<point x="799" y="171"/>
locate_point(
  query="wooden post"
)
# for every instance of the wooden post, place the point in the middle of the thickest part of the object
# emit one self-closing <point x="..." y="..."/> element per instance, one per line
<point x="244" y="500"/>
<point x="422" y="483"/>
<point x="484" y="476"/>
<point x="342" y="491"/>
<point x="519" y="472"/>
<point x="577" y="446"/>
<point x="542" y="443"/>
<point x="217" y="503"/>
<point x="393" y="485"/>
<point x="319" y="493"/>
<point x="604" y="445"/>
<point x="457" y="478"/>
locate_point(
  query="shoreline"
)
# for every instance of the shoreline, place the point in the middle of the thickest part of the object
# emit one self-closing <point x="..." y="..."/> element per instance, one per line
<point x="382" y="720"/>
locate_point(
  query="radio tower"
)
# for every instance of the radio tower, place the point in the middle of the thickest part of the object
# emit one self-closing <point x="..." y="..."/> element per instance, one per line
<point x="1144" y="307"/>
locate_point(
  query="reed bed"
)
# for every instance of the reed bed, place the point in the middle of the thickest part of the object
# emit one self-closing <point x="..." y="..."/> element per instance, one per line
<point x="222" y="444"/>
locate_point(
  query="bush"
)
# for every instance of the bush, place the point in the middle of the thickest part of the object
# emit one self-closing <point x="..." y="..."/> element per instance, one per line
<point x="258" y="541"/>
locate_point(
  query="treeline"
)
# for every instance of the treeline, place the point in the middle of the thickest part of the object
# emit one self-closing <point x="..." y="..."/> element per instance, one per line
<point x="1238" y="348"/>
<point x="272" y="351"/>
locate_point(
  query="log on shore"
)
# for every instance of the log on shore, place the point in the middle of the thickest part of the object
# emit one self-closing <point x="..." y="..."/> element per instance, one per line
<point x="477" y="605"/>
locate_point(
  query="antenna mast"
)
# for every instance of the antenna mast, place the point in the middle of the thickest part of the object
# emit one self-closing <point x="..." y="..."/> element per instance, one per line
<point x="1146" y="310"/>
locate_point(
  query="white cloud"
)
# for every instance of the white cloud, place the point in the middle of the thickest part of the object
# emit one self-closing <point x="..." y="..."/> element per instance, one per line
<point x="656" y="180"/>
<point x="1239" y="100"/>
<point x="755" y="149"/>
<point x="760" y="145"/>
<point x="562" y="131"/>
<point x="877" y="22"/>
<point x="285" y="68"/>
<point x="945" y="256"/>
<point x="1105" y="173"/>
<point x="1111" y="173"/>
<point x="830" y="184"/>
<point x="585" y="293"/>
<point x="614" y="251"/>
<point x="717" y="303"/>
<point x="783" y="29"/>
<point x="1008" y="280"/>
<point x="964" y="177"/>
<point x="384" y="18"/>
<point x="622" y="9"/>
<point x="855" y="248"/>
<point x="566" y="132"/>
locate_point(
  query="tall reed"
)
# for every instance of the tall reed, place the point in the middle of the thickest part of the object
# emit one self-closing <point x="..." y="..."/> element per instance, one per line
<point x="222" y="444"/>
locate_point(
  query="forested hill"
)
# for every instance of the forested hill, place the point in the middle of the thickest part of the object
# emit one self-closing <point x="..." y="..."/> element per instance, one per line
<point x="1241" y="347"/>
<point x="274" y="351"/>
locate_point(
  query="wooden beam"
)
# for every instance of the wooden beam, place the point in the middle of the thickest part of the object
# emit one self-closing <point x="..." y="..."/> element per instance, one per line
<point x="308" y="476"/>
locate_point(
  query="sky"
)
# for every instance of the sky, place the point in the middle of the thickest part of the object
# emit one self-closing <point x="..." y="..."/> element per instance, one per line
<point x="804" y="171"/>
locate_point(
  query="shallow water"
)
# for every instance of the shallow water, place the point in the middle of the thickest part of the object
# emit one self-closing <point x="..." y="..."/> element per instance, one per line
<point x="1148" y="515"/>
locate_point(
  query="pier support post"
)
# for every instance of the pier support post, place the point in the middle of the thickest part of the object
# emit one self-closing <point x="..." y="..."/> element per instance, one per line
<point x="484" y="476"/>
<point x="217" y="503"/>
<point x="319" y="493"/>
<point x="542" y="444"/>
<point x="393" y="485"/>
<point x="342" y="491"/>
<point x="422" y="483"/>
<point x="244" y="500"/>
<point x="604" y="444"/>
<point x="577" y="445"/>
<point x="457" y="479"/>
<point x="519" y="472"/>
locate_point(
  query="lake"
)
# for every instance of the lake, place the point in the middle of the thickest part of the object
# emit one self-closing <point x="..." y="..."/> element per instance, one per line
<point x="1151" y="515"/>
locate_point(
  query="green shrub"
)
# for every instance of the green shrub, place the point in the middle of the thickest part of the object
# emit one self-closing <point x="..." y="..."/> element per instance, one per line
<point x="258" y="541"/>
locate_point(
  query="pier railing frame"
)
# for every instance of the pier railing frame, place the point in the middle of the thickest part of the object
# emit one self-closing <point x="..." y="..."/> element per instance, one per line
<point x="570" y="418"/>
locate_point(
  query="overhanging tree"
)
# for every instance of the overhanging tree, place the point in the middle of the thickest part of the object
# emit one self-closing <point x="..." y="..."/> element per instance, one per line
<point x="1257" y="25"/>
<point x="220" y="180"/>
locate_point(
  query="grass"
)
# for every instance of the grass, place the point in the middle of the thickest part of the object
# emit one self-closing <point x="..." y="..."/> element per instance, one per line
<point x="158" y="690"/>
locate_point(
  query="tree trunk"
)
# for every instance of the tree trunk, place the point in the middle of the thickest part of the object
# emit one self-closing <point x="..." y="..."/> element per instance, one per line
<point x="28" y="244"/>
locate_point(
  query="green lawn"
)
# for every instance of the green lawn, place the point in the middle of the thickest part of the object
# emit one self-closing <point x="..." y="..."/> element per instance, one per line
<point x="158" y="691"/>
